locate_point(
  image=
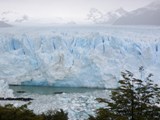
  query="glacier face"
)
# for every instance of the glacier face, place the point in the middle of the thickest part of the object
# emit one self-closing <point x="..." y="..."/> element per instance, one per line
<point x="4" y="90"/>
<point x="77" y="56"/>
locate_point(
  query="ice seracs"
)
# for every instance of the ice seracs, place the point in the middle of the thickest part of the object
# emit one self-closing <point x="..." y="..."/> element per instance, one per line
<point x="76" y="56"/>
<point x="4" y="90"/>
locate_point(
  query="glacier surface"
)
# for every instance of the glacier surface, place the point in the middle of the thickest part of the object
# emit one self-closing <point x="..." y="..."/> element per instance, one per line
<point x="77" y="56"/>
<point x="4" y="90"/>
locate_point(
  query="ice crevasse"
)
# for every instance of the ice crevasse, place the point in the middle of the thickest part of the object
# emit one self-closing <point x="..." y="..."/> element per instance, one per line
<point x="77" y="57"/>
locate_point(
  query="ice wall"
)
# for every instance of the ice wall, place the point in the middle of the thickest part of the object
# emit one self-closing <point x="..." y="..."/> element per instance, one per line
<point x="77" y="57"/>
<point x="4" y="89"/>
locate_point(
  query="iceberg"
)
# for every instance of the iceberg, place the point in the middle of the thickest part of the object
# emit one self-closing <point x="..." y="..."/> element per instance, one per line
<point x="77" y="56"/>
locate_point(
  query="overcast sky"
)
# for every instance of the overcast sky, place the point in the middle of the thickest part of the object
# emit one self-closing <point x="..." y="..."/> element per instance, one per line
<point x="67" y="9"/>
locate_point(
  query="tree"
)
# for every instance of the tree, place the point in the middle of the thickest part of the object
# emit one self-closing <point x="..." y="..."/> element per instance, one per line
<point x="133" y="100"/>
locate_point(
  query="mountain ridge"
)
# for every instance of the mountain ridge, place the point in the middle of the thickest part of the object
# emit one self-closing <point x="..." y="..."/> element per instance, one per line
<point x="3" y="24"/>
<point x="148" y="15"/>
<point x="98" y="17"/>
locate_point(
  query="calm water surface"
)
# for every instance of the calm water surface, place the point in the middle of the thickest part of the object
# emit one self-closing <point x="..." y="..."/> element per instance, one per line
<point x="45" y="90"/>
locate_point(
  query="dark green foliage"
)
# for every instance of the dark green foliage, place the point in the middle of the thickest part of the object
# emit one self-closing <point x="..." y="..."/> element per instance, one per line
<point x="55" y="115"/>
<point x="134" y="100"/>
<point x="9" y="112"/>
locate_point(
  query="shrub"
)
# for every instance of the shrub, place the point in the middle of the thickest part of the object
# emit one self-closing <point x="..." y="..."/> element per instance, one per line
<point x="55" y="115"/>
<point x="9" y="112"/>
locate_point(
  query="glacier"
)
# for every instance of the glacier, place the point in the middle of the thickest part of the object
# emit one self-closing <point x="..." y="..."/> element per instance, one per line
<point x="5" y="91"/>
<point x="77" y="56"/>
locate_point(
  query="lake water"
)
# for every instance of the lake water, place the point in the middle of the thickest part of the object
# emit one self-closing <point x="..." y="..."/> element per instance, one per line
<point x="45" y="90"/>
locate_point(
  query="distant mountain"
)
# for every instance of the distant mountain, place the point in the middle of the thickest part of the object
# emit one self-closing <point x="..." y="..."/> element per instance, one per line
<point x="21" y="19"/>
<point x="95" y="15"/>
<point x="113" y="16"/>
<point x="108" y="18"/>
<point x="3" y="24"/>
<point x="13" y="17"/>
<point x="148" y="15"/>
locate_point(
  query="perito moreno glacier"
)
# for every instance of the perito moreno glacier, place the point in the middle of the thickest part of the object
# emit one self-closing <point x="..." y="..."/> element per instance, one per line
<point x="77" y="56"/>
